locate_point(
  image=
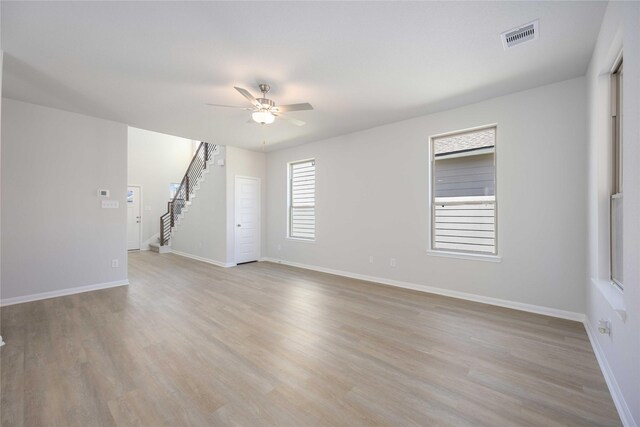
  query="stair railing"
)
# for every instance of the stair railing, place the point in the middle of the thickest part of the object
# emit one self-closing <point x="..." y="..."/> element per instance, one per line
<point x="196" y="168"/>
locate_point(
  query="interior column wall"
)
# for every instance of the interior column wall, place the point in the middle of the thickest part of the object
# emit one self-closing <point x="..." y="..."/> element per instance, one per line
<point x="241" y="162"/>
<point x="203" y="231"/>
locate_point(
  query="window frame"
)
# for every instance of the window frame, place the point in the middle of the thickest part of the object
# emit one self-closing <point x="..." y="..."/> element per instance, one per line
<point x="290" y="205"/>
<point x="458" y="253"/>
<point x="617" y="153"/>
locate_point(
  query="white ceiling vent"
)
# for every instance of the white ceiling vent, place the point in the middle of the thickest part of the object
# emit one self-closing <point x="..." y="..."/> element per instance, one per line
<point x="523" y="34"/>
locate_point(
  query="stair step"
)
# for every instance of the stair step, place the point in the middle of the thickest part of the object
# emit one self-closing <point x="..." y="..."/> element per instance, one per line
<point x="156" y="247"/>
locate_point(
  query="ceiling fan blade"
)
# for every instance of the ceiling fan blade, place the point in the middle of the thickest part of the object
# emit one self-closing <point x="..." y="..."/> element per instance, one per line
<point x="294" y="107"/>
<point x="227" y="106"/>
<point x="290" y="119"/>
<point x="249" y="97"/>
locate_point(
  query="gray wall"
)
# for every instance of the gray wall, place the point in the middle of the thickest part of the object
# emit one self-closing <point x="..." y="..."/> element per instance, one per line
<point x="1" y="62"/>
<point x="372" y="200"/>
<point x="620" y="351"/>
<point x="55" y="235"/>
<point x="208" y="229"/>
<point x="154" y="161"/>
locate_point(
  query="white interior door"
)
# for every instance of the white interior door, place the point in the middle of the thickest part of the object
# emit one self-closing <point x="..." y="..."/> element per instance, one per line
<point x="134" y="218"/>
<point x="247" y="217"/>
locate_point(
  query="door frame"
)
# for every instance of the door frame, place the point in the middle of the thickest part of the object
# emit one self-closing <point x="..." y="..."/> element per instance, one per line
<point x="235" y="182"/>
<point x="141" y="216"/>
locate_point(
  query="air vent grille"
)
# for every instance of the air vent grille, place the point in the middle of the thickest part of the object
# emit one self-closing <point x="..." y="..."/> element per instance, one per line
<point x="517" y="36"/>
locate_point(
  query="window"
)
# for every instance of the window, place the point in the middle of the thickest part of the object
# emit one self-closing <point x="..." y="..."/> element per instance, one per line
<point x="463" y="192"/>
<point x="616" y="222"/>
<point x="302" y="200"/>
<point x="173" y="189"/>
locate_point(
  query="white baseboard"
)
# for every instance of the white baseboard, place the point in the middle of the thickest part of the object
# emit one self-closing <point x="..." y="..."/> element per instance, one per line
<point x="207" y="260"/>
<point x="614" y="389"/>
<point x="61" y="292"/>
<point x="547" y="311"/>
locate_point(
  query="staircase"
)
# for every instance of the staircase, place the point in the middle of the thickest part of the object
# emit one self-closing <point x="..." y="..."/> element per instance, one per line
<point x="178" y="206"/>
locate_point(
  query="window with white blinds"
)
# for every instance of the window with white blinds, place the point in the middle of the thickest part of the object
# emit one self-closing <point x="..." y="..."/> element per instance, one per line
<point x="616" y="217"/>
<point x="302" y="200"/>
<point x="463" y="188"/>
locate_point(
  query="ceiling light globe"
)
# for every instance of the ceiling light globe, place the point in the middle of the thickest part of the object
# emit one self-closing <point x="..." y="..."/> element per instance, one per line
<point x="263" y="117"/>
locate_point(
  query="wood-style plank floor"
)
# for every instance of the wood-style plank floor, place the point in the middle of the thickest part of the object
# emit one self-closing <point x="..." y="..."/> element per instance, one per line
<point x="189" y="343"/>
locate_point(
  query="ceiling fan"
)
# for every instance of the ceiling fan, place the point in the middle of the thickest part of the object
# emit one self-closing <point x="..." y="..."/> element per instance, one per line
<point x="265" y="110"/>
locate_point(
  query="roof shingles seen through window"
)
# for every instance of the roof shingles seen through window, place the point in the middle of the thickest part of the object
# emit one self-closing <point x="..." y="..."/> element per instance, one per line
<point x="461" y="142"/>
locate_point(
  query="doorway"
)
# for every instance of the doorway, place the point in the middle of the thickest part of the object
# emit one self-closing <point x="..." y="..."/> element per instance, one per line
<point x="134" y="217"/>
<point x="247" y="219"/>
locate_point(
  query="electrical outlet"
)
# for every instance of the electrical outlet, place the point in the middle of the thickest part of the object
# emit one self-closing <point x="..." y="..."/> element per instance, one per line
<point x="604" y="327"/>
<point x="115" y="263"/>
<point x="392" y="262"/>
<point x="370" y="259"/>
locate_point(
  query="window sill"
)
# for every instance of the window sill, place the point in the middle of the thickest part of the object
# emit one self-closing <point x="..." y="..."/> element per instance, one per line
<point x="295" y="239"/>
<point x="613" y="295"/>
<point x="459" y="255"/>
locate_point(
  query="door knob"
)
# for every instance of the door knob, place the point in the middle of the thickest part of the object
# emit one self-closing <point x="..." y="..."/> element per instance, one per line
<point x="238" y="225"/>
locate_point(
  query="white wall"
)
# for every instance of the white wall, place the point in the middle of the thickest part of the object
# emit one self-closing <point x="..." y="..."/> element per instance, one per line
<point x="372" y="200"/>
<point x="241" y="162"/>
<point x="619" y="353"/>
<point x="55" y="235"/>
<point x="203" y="230"/>
<point x="154" y="161"/>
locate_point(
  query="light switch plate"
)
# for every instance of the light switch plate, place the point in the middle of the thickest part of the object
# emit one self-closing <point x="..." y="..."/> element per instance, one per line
<point x="110" y="204"/>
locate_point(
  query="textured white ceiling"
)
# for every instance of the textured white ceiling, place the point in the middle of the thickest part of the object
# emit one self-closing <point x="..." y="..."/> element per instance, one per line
<point x="361" y="64"/>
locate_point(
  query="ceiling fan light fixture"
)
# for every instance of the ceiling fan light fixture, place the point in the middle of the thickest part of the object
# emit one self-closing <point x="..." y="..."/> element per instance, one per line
<point x="263" y="117"/>
<point x="265" y="110"/>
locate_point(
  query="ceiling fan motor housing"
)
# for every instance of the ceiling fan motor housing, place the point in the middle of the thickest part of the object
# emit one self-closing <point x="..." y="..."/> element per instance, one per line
<point x="266" y="103"/>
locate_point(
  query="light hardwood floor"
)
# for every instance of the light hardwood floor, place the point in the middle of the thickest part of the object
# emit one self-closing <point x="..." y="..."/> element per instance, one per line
<point x="188" y="343"/>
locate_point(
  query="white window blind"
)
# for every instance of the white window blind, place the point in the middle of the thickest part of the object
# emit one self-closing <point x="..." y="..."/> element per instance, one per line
<point x="302" y="200"/>
<point x="463" y="186"/>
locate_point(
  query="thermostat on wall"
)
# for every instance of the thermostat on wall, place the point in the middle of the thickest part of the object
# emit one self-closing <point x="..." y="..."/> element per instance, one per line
<point x="103" y="193"/>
